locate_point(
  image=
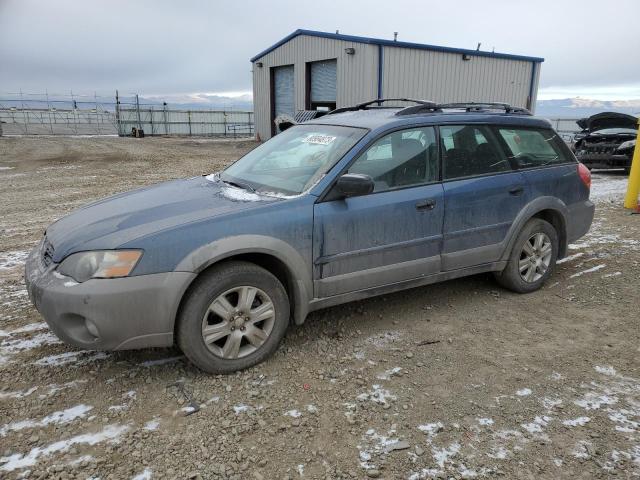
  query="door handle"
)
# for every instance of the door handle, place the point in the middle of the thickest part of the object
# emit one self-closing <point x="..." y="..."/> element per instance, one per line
<point x="516" y="190"/>
<point x="428" y="204"/>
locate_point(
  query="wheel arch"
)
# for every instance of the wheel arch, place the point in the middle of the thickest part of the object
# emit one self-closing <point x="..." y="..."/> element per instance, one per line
<point x="274" y="255"/>
<point x="550" y="209"/>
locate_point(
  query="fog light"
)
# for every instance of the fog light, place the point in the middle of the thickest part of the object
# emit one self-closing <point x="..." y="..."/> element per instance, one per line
<point x="92" y="329"/>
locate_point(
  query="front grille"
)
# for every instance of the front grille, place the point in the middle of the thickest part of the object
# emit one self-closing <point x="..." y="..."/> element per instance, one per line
<point x="47" y="252"/>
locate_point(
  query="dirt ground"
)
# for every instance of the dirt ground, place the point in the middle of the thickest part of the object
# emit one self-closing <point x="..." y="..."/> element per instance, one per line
<point x="456" y="380"/>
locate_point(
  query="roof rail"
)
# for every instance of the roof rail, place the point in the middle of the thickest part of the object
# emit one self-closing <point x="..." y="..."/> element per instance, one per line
<point x="362" y="106"/>
<point x="480" y="106"/>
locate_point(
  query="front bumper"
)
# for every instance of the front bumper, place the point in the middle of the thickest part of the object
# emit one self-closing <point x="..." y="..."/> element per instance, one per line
<point x="107" y="314"/>
<point x="605" y="160"/>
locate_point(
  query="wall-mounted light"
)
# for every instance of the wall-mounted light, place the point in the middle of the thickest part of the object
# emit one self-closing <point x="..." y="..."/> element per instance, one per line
<point x="466" y="57"/>
<point x="349" y="50"/>
<point x="259" y="64"/>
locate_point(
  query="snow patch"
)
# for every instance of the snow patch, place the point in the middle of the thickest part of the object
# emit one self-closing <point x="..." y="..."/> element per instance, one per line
<point x="377" y="395"/>
<point x="610" y="275"/>
<point x="239" y="195"/>
<point x="589" y="270"/>
<point x="524" y="392"/>
<point x="10" y="347"/>
<point x="593" y="401"/>
<point x="152" y="425"/>
<point x="608" y="370"/>
<point x="485" y="421"/>
<point x="569" y="258"/>
<point x="441" y="456"/>
<point x="240" y="408"/>
<point x="293" y="413"/>
<point x="145" y="475"/>
<point x="57" y="418"/>
<point x="537" y="424"/>
<point x="17" y="461"/>
<point x="580" y="421"/>
<point x="387" y="374"/>
<point x="78" y="358"/>
<point x="13" y="259"/>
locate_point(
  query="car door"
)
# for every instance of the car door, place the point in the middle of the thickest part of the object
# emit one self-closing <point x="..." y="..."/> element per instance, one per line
<point x="390" y="235"/>
<point x="545" y="161"/>
<point x="482" y="196"/>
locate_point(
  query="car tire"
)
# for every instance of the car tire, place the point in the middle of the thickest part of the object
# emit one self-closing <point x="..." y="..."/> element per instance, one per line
<point x="530" y="264"/>
<point x="216" y="329"/>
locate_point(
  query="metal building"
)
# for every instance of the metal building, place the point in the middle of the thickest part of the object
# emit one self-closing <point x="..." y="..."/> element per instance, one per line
<point x="311" y="70"/>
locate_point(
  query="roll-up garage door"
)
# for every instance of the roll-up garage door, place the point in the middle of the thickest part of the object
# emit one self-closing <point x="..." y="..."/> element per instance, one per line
<point x="283" y="91"/>
<point x="323" y="81"/>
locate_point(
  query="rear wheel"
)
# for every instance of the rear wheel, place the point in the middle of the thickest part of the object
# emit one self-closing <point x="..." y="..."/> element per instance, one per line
<point x="532" y="259"/>
<point x="233" y="318"/>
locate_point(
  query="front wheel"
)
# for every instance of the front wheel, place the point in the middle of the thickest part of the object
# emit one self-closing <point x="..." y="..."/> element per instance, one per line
<point x="233" y="317"/>
<point x="532" y="259"/>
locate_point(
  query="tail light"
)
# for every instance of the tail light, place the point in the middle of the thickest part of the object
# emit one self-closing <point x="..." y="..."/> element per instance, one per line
<point x="585" y="175"/>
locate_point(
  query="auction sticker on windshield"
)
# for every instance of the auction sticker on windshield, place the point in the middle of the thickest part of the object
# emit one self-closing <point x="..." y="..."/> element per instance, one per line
<point x="319" y="139"/>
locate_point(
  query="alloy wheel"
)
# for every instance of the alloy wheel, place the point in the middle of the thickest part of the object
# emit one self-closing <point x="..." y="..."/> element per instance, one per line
<point x="535" y="257"/>
<point x="238" y="322"/>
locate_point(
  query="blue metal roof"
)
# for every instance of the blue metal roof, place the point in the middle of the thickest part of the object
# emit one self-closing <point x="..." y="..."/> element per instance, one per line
<point x="393" y="43"/>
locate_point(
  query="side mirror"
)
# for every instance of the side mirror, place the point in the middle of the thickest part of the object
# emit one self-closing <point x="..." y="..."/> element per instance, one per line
<point x="354" y="184"/>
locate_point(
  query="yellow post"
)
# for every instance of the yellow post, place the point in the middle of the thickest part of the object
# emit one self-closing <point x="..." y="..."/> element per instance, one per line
<point x="633" y="187"/>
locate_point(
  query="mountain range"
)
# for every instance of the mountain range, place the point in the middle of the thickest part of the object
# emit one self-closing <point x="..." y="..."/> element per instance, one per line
<point x="578" y="107"/>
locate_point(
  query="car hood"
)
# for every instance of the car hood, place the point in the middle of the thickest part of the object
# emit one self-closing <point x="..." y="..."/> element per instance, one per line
<point x="119" y="219"/>
<point x="603" y="120"/>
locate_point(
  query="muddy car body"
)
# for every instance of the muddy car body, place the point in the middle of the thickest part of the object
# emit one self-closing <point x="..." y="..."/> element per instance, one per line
<point x="358" y="203"/>
<point x="607" y="140"/>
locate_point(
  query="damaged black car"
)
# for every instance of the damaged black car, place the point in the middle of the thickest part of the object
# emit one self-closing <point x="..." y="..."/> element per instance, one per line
<point x="607" y="140"/>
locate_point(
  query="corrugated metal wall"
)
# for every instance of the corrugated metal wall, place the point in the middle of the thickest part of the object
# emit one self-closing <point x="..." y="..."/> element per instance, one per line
<point x="356" y="81"/>
<point x="407" y="72"/>
<point x="446" y="77"/>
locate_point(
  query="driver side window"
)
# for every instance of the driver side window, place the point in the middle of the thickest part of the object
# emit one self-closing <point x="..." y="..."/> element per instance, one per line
<point x="401" y="159"/>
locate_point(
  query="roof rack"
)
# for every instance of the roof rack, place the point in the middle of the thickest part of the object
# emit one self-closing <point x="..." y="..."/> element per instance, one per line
<point x="481" y="106"/>
<point x="362" y="106"/>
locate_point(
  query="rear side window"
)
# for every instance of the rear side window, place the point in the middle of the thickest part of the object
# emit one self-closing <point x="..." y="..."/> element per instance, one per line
<point x="471" y="150"/>
<point x="532" y="148"/>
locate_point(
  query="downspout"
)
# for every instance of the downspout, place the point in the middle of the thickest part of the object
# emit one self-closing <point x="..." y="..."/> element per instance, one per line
<point x="380" y="63"/>
<point x="534" y="69"/>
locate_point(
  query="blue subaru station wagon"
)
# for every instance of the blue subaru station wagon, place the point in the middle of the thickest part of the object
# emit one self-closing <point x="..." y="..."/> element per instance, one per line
<point x="363" y="201"/>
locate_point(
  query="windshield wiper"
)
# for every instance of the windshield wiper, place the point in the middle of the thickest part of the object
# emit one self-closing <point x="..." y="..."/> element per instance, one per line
<point x="244" y="186"/>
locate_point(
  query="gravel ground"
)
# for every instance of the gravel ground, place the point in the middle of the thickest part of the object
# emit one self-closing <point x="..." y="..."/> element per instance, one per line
<point x="456" y="380"/>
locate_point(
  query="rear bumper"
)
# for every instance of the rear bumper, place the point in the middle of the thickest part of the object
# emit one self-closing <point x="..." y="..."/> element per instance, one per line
<point x="107" y="314"/>
<point x="579" y="220"/>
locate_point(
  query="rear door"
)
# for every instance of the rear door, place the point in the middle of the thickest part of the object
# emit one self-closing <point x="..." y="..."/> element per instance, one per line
<point x="542" y="157"/>
<point x="482" y="195"/>
<point x="391" y="235"/>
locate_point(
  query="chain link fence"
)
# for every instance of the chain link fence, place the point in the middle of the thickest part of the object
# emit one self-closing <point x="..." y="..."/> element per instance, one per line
<point x="73" y="114"/>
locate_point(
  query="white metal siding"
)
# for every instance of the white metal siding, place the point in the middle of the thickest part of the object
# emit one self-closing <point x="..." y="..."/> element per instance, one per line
<point x="446" y="77"/>
<point x="407" y="72"/>
<point x="356" y="76"/>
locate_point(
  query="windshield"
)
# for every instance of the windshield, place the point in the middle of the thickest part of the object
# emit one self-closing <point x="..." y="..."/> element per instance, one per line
<point x="293" y="160"/>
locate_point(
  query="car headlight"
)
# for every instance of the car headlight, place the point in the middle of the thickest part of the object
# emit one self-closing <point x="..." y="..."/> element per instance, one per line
<point x="627" y="144"/>
<point x="82" y="266"/>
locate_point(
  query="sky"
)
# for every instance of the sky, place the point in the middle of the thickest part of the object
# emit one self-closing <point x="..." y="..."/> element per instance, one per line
<point x="171" y="48"/>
